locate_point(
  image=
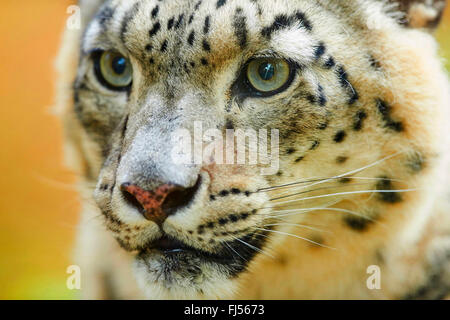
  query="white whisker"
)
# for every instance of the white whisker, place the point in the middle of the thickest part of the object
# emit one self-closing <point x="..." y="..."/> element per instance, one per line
<point x="251" y="246"/>
<point x="343" y="193"/>
<point x="347" y="173"/>
<point x="295" y="225"/>
<point x="293" y="212"/>
<point x="296" y="236"/>
<point x="317" y="189"/>
<point x="235" y="251"/>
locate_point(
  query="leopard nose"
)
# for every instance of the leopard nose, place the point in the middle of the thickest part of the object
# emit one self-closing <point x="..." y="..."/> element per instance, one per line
<point x="158" y="204"/>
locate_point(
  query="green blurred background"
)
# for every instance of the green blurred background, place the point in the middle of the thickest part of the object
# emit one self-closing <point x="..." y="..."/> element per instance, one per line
<point x="38" y="204"/>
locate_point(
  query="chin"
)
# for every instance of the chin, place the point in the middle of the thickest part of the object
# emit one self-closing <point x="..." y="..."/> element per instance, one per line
<point x="171" y="270"/>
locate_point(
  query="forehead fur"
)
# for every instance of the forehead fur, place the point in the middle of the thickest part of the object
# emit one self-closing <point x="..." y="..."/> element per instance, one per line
<point x="186" y="26"/>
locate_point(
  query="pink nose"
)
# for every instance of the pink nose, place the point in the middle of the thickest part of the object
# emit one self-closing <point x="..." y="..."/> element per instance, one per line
<point x="151" y="201"/>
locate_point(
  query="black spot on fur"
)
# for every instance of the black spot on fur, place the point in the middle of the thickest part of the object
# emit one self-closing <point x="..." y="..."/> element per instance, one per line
<point x="299" y="159"/>
<point x="345" y="180"/>
<point x="339" y="136"/>
<point x="170" y="23"/>
<point x="179" y="21"/>
<point x="220" y="3"/>
<point x="385" y="109"/>
<point x="330" y="63"/>
<point x="245" y="215"/>
<point x="148" y="47"/>
<point x="358" y="120"/>
<point x="386" y="185"/>
<point x="341" y="159"/>
<point x="154" y="30"/>
<point x="240" y="28"/>
<point x="314" y="145"/>
<point x="164" y="46"/>
<point x="155" y="12"/>
<point x="357" y="223"/>
<point x="197" y="5"/>
<point x="322" y="98"/>
<point x="223" y="221"/>
<point x="229" y="124"/>
<point x="191" y="38"/>
<point x="233" y="217"/>
<point x="284" y="21"/>
<point x="212" y="197"/>
<point x="224" y="193"/>
<point x="374" y="63"/>
<point x="235" y="191"/>
<point x="206" y="45"/>
<point x="207" y="24"/>
<point x="290" y="151"/>
<point x="319" y="51"/>
<point x="191" y="18"/>
<point x="204" y="61"/>
<point x="322" y="126"/>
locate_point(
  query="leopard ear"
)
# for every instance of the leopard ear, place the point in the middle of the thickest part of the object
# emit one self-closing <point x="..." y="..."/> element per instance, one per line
<point x="421" y="13"/>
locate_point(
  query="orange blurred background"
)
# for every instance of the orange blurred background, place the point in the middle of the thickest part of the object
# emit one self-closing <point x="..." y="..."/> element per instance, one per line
<point x="38" y="204"/>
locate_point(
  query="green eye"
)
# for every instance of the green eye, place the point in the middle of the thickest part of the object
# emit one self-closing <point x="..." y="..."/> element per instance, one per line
<point x="268" y="75"/>
<point x="113" y="70"/>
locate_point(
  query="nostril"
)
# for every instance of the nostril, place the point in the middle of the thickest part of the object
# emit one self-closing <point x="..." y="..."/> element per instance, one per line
<point x="131" y="199"/>
<point x="158" y="204"/>
<point x="179" y="198"/>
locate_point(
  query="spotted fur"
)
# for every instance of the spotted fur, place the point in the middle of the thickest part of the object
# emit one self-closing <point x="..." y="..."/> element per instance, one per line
<point x="364" y="157"/>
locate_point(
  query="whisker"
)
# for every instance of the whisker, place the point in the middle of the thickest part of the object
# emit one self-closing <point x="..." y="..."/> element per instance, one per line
<point x="235" y="251"/>
<point x="317" y="189"/>
<point x="326" y="209"/>
<point x="345" y="193"/>
<point x="295" y="225"/>
<point x="296" y="236"/>
<point x="318" y="181"/>
<point x="251" y="246"/>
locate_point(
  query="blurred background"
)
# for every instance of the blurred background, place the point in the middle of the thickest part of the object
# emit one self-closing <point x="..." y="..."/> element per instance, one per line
<point x="38" y="204"/>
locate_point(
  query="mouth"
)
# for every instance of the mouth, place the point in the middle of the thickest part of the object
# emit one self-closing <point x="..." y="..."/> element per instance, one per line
<point x="173" y="255"/>
<point x="171" y="263"/>
<point x="169" y="245"/>
<point x="170" y="248"/>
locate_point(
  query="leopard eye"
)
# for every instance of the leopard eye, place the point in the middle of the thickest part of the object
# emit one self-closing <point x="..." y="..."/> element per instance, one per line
<point x="113" y="70"/>
<point x="268" y="75"/>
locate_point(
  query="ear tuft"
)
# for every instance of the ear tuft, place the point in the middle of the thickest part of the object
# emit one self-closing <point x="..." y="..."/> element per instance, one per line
<point x="421" y="13"/>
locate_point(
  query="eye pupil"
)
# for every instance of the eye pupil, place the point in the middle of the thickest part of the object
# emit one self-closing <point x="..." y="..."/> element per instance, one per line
<point x="119" y="65"/>
<point x="266" y="71"/>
